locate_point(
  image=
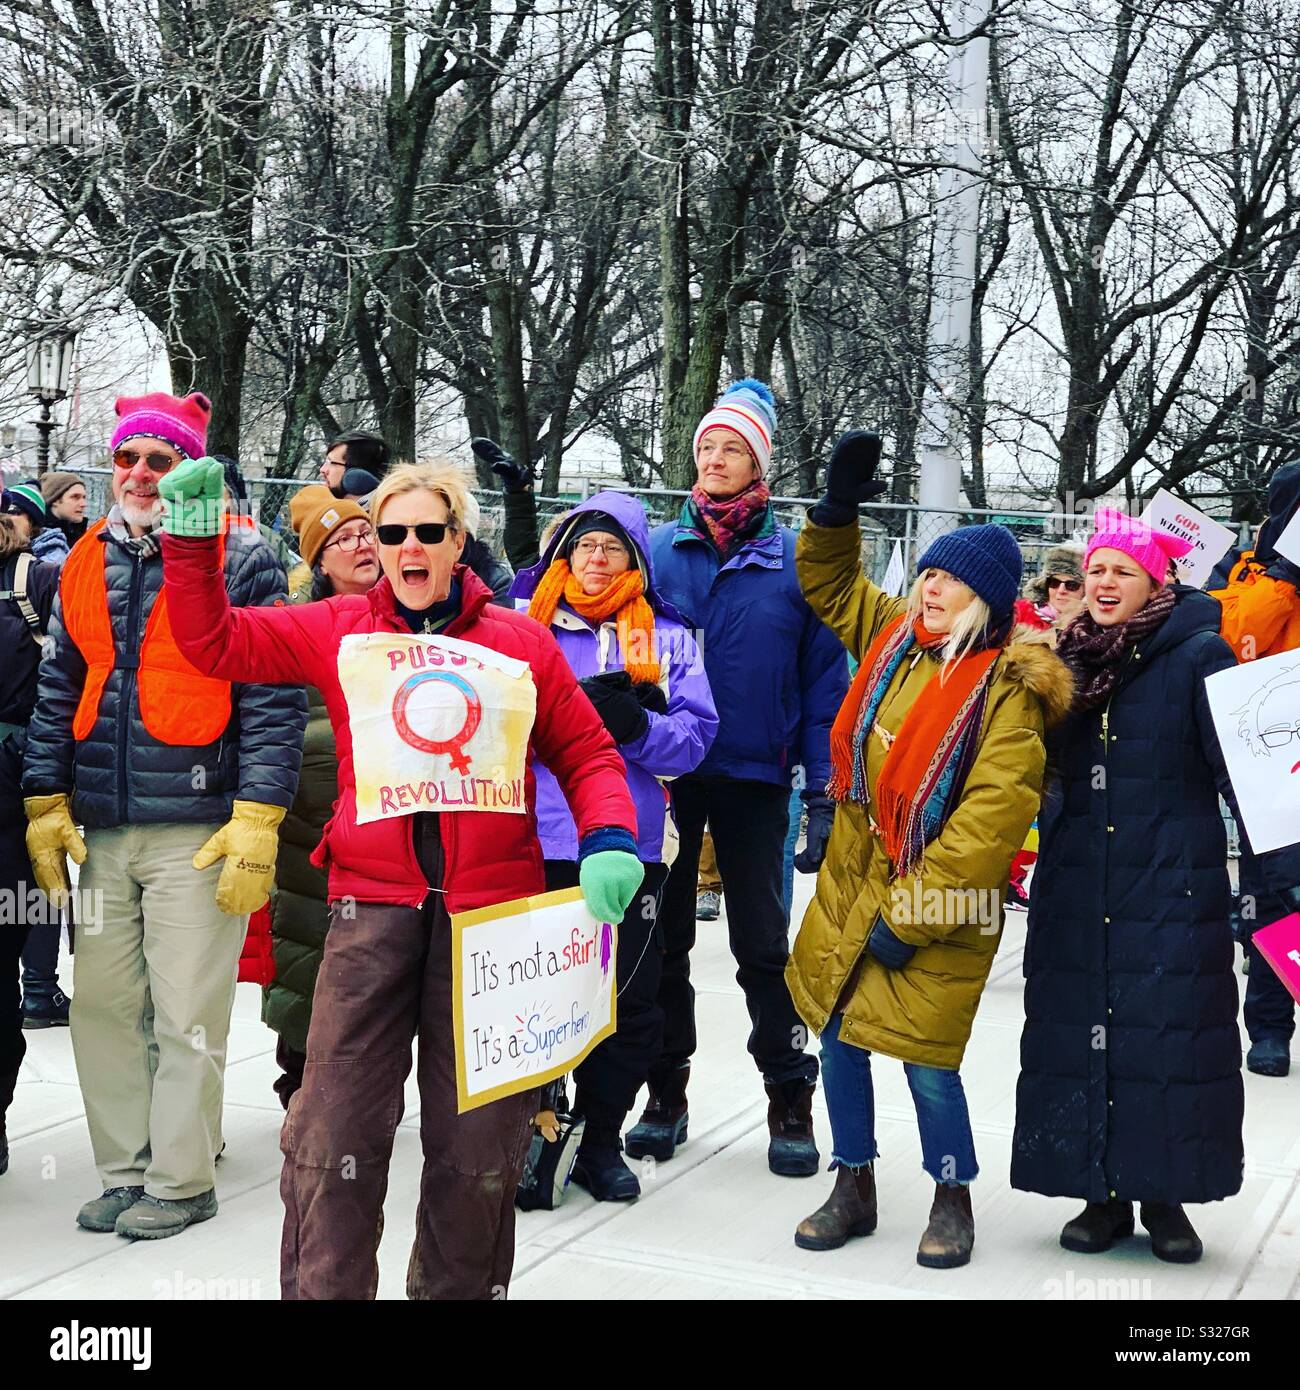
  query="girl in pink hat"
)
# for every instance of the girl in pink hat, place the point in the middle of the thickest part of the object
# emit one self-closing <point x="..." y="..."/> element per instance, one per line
<point x="1130" y="1087"/>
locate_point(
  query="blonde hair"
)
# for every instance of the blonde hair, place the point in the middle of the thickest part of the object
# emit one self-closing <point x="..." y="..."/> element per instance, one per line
<point x="443" y="477"/>
<point x="968" y="627"/>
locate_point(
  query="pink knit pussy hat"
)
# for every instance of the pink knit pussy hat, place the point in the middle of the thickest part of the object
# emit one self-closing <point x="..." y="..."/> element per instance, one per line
<point x="1152" y="549"/>
<point x="181" y="421"/>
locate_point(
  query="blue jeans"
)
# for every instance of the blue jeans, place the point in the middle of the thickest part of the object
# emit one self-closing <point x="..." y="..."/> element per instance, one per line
<point x="947" y="1145"/>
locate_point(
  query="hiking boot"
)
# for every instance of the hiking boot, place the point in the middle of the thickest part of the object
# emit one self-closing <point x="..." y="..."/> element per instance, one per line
<point x="1172" y="1236"/>
<point x="155" y="1218"/>
<point x="950" y="1236"/>
<point x="791" y="1149"/>
<point x="707" y="906"/>
<point x="849" y="1211"/>
<point x="662" y="1126"/>
<point x="1269" y="1057"/>
<point x="1097" y="1227"/>
<point x="46" y="1013"/>
<point x="101" y="1213"/>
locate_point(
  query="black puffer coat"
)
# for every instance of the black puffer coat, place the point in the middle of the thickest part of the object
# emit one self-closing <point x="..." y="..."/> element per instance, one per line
<point x="21" y="654"/>
<point x="119" y="774"/>
<point x="1130" y="1084"/>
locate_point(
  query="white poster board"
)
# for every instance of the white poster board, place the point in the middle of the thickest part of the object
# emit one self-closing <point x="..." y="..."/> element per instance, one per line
<point x="895" y="575"/>
<point x="1256" y="709"/>
<point x="1288" y="543"/>
<point x="532" y="992"/>
<point x="1210" y="539"/>
<point x="437" y="724"/>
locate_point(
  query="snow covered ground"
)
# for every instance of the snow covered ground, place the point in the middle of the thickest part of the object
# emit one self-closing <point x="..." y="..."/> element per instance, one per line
<point x="712" y="1224"/>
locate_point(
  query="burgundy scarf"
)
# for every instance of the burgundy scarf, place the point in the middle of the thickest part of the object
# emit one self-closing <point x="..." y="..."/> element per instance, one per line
<point x="732" y="520"/>
<point x="1097" y="655"/>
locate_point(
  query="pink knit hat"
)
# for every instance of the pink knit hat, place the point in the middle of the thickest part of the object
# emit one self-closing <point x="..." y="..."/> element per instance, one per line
<point x="182" y="422"/>
<point x="1153" y="550"/>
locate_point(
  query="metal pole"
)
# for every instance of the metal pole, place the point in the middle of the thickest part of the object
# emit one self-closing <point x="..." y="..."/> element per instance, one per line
<point x="957" y="224"/>
<point x="46" y="427"/>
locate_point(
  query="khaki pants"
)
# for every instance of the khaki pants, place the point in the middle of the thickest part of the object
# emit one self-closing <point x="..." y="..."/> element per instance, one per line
<point x="153" y="986"/>
<point x="710" y="880"/>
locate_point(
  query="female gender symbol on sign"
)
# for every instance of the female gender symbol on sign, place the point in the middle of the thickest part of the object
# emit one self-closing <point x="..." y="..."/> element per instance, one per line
<point x="453" y="745"/>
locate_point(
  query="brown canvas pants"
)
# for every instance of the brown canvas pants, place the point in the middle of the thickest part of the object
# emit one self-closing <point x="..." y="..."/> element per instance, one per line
<point x="385" y="977"/>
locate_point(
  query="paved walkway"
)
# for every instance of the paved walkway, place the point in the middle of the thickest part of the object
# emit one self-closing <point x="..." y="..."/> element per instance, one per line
<point x="712" y="1224"/>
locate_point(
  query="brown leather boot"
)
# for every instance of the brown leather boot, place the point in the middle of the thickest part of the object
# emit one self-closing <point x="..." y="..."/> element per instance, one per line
<point x="950" y="1236"/>
<point x="849" y="1211"/>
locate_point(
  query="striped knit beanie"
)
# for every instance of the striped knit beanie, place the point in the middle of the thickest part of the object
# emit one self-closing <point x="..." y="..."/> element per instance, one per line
<point x="181" y="421"/>
<point x="749" y="408"/>
<point x="25" y="498"/>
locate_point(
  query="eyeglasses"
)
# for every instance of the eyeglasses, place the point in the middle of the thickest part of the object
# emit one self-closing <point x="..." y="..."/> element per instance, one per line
<point x="1279" y="735"/>
<point x="611" y="549"/>
<point x="128" y="458"/>
<point x="1071" y="586"/>
<point x="353" y="541"/>
<point x="426" y="532"/>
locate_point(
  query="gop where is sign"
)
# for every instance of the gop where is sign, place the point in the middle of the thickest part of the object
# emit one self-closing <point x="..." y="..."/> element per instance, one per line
<point x="437" y="724"/>
<point x="532" y="992"/>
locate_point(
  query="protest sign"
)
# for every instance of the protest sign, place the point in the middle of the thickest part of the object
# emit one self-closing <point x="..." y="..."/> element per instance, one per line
<point x="1256" y="710"/>
<point x="895" y="574"/>
<point x="532" y="992"/>
<point x="1210" y="540"/>
<point x="1279" y="944"/>
<point x="1288" y="543"/>
<point x="437" y="724"/>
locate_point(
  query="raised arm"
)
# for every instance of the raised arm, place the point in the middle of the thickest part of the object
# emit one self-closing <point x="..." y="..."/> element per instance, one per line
<point x="829" y="565"/>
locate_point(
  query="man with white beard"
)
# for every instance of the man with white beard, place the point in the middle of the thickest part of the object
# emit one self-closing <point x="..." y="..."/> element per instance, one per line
<point x="171" y="773"/>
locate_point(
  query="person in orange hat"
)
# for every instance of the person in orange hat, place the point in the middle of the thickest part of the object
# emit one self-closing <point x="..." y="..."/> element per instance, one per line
<point x="170" y="773"/>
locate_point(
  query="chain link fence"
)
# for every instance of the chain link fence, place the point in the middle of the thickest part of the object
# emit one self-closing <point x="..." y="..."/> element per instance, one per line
<point x="885" y="525"/>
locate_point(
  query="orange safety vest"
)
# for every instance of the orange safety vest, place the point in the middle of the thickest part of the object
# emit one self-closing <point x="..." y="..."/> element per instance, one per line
<point x="178" y="704"/>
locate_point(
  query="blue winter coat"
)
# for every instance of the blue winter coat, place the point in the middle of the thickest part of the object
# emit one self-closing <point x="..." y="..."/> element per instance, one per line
<point x="119" y="774"/>
<point x="1130" y="1083"/>
<point x="778" y="675"/>
<point x="675" y="741"/>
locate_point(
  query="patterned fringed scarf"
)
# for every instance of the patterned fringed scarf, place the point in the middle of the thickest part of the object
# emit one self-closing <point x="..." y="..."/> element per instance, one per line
<point x="925" y="769"/>
<point x="728" y="524"/>
<point x="1097" y="655"/>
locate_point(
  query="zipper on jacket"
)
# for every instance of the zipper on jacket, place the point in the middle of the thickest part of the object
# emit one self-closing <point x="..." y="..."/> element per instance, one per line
<point x="134" y="603"/>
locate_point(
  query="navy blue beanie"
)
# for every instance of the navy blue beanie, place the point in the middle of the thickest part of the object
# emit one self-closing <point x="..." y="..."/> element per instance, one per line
<point x="986" y="558"/>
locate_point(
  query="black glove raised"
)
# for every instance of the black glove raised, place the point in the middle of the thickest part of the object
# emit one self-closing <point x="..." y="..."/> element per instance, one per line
<point x="850" y="478"/>
<point x="650" y="697"/>
<point x="821" y="816"/>
<point x="514" y="476"/>
<point x="619" y="709"/>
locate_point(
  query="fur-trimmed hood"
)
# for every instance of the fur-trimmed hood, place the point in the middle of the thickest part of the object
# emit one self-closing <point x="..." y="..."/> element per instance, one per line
<point x="1029" y="659"/>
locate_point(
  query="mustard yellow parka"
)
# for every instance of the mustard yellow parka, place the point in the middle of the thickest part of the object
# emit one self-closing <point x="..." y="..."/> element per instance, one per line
<point x="923" y="1012"/>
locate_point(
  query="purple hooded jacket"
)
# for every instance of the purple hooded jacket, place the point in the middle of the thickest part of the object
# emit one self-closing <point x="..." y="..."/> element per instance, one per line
<point x="676" y="742"/>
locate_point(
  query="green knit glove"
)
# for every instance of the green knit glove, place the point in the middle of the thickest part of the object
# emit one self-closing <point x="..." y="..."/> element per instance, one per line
<point x="609" y="880"/>
<point x="194" y="492"/>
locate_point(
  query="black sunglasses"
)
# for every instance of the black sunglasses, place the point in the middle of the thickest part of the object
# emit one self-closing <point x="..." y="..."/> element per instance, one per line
<point x="426" y="532"/>
<point x="1071" y="586"/>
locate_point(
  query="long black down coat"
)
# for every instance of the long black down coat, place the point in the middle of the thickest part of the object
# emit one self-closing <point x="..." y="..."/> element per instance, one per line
<point x="119" y="774"/>
<point x="1130" y="1083"/>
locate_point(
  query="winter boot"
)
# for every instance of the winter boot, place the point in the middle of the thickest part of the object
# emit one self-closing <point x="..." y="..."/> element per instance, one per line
<point x="599" y="1166"/>
<point x="849" y="1211"/>
<point x="791" y="1149"/>
<point x="1172" y="1237"/>
<point x="1097" y="1227"/>
<point x="1269" y="1057"/>
<point x="662" y="1126"/>
<point x="707" y="906"/>
<point x="155" y="1218"/>
<point x="950" y="1236"/>
<point x="47" y="1013"/>
<point x="101" y="1213"/>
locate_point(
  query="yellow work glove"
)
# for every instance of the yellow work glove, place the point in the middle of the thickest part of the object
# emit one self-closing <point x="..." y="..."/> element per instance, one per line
<point x="249" y="840"/>
<point x="51" y="837"/>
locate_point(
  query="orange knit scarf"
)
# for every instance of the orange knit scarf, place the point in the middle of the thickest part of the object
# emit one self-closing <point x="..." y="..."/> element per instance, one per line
<point x="624" y="596"/>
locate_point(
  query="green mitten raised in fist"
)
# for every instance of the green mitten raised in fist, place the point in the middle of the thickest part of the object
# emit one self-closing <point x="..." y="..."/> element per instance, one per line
<point x="609" y="879"/>
<point x="194" y="492"/>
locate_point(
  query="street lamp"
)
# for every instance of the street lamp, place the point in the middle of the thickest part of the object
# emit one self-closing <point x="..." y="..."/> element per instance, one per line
<point x="49" y="375"/>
